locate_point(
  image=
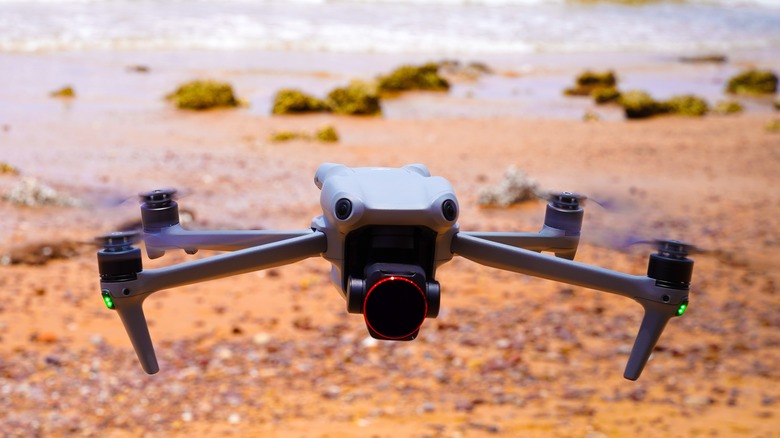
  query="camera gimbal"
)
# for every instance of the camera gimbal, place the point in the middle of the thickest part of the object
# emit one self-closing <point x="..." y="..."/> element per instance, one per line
<point x="385" y="231"/>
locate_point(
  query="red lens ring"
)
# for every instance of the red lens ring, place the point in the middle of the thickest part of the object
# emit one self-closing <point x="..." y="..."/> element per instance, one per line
<point x="385" y="280"/>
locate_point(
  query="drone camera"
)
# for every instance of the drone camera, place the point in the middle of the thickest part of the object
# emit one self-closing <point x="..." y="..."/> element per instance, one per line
<point x="394" y="299"/>
<point x="449" y="209"/>
<point x="390" y="279"/>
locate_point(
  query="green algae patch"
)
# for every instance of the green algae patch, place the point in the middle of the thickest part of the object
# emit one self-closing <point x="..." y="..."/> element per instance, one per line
<point x="590" y="116"/>
<point x="728" y="107"/>
<point x="413" y="78"/>
<point x="704" y="59"/>
<point x="639" y="105"/>
<point x="687" y="105"/>
<point x="589" y="81"/>
<point x="753" y="82"/>
<point x="290" y="101"/>
<point x="605" y="95"/>
<point x="356" y="99"/>
<point x="66" y="91"/>
<point x="279" y="137"/>
<point x="8" y="169"/>
<point x="203" y="95"/>
<point x="327" y="134"/>
<point x="773" y="126"/>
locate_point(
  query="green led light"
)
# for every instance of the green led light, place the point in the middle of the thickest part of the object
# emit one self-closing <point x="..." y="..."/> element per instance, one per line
<point x="107" y="299"/>
<point x="682" y="308"/>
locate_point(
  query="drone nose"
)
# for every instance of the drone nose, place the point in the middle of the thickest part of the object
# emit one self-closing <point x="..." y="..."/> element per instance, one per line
<point x="395" y="308"/>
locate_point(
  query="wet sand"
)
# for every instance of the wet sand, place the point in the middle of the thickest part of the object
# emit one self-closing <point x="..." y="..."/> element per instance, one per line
<point x="275" y="353"/>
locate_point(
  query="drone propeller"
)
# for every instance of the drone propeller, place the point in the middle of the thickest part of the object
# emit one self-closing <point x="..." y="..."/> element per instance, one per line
<point x="571" y="200"/>
<point x="117" y="240"/>
<point x="667" y="247"/>
<point x="159" y="198"/>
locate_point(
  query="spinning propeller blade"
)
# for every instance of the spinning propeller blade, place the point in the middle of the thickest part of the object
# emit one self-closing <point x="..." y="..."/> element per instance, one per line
<point x="573" y="198"/>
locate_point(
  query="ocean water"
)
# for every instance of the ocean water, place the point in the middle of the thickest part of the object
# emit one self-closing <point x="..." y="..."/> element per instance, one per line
<point x="441" y="27"/>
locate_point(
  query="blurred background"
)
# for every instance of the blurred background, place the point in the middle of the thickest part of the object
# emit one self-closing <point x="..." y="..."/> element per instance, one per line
<point x="85" y="125"/>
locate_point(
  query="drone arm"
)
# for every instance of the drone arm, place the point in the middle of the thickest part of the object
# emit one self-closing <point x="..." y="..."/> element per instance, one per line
<point x="548" y="239"/>
<point x="127" y="296"/>
<point x="242" y="261"/>
<point x="660" y="303"/>
<point x="523" y="261"/>
<point x="176" y="237"/>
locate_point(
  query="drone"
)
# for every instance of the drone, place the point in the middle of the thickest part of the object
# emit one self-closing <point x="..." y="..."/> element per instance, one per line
<point x="385" y="231"/>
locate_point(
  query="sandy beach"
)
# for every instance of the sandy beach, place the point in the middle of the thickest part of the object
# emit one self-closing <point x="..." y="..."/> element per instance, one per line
<point x="275" y="354"/>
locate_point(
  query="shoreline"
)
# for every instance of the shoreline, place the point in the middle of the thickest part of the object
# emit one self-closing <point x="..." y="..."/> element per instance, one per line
<point x="524" y="86"/>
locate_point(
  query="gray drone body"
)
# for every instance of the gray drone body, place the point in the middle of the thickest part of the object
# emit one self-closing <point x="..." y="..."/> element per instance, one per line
<point x="392" y="200"/>
<point x="385" y="231"/>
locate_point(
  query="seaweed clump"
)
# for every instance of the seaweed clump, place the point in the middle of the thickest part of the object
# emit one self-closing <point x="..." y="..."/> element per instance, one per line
<point x="605" y="95"/>
<point x="640" y="105"/>
<point x="753" y="82"/>
<point x="278" y="137"/>
<point x="289" y="101"/>
<point x="327" y="134"/>
<point x="687" y="105"/>
<point x="590" y="81"/>
<point x="66" y="91"/>
<point x="8" y="169"/>
<point x="357" y="98"/>
<point x="728" y="107"/>
<point x="700" y="59"/>
<point x="203" y="95"/>
<point x="409" y="77"/>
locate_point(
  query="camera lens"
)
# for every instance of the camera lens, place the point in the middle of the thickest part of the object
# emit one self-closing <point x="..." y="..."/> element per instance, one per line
<point x="343" y="208"/>
<point x="449" y="210"/>
<point x="395" y="307"/>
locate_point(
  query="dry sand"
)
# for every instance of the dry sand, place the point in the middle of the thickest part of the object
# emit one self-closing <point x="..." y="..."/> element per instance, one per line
<point x="275" y="353"/>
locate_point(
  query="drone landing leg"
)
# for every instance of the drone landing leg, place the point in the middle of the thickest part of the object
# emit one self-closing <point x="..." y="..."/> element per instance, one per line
<point x="132" y="315"/>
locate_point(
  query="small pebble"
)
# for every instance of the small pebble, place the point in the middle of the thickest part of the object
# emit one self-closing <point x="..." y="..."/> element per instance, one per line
<point x="261" y="338"/>
<point x="426" y="408"/>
